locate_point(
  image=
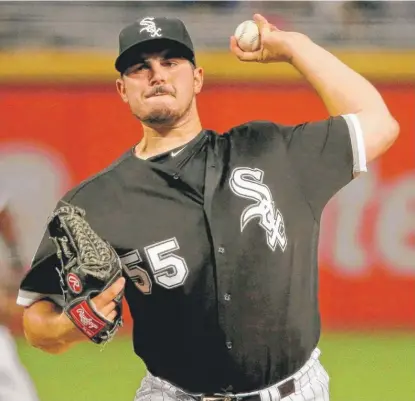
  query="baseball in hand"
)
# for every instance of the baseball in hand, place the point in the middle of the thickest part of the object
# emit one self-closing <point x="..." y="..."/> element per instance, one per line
<point x="247" y="36"/>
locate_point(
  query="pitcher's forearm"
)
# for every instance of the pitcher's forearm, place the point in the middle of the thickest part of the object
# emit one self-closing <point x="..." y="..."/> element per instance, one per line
<point x="47" y="328"/>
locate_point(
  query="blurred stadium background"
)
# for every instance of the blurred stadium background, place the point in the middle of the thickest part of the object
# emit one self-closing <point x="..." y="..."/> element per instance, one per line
<point x="61" y="121"/>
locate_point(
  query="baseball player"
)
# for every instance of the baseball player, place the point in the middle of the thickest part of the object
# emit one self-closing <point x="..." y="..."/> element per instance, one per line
<point x="218" y="233"/>
<point x="15" y="384"/>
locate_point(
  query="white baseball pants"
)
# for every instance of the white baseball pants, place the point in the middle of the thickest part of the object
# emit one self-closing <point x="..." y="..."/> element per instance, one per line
<point x="311" y="384"/>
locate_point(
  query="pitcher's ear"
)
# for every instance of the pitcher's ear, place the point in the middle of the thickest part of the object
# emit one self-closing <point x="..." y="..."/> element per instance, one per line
<point x="198" y="74"/>
<point x="120" y="84"/>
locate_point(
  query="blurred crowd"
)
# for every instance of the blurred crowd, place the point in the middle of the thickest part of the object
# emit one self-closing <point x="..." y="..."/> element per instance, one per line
<point x="96" y="24"/>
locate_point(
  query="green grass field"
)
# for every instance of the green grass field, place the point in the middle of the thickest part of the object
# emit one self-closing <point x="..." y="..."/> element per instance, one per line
<point x="372" y="367"/>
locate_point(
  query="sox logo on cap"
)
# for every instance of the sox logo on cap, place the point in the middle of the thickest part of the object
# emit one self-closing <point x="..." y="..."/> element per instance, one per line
<point x="150" y="27"/>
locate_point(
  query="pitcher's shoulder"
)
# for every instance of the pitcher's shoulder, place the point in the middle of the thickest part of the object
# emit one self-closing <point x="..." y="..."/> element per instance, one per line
<point x="99" y="180"/>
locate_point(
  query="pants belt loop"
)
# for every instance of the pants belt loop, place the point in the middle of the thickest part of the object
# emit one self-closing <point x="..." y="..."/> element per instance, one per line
<point x="275" y="394"/>
<point x="265" y="395"/>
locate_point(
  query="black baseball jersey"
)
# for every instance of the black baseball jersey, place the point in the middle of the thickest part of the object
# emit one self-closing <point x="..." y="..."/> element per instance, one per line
<point x="219" y="240"/>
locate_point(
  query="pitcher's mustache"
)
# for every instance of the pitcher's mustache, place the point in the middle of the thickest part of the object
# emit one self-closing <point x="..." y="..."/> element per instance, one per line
<point x="160" y="90"/>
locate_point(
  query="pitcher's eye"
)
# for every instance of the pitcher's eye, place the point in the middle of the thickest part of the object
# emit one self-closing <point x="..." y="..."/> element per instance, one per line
<point x="137" y="68"/>
<point x="169" y="63"/>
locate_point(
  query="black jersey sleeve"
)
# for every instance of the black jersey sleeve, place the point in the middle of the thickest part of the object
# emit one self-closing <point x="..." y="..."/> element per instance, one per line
<point x="325" y="156"/>
<point x="42" y="281"/>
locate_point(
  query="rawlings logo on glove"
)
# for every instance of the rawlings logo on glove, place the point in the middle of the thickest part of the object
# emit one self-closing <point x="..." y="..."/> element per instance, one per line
<point x="84" y="318"/>
<point x="89" y="265"/>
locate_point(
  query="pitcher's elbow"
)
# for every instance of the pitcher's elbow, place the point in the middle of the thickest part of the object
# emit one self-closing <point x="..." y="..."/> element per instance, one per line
<point x="46" y="346"/>
<point x="393" y="130"/>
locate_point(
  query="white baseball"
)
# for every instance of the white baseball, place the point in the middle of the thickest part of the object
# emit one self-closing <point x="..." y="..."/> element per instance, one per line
<point x="247" y="36"/>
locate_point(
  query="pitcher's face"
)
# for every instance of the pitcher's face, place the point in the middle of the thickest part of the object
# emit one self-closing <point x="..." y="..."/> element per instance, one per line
<point x="161" y="87"/>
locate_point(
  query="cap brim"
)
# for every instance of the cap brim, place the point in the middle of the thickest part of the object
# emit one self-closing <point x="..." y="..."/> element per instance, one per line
<point x="132" y="54"/>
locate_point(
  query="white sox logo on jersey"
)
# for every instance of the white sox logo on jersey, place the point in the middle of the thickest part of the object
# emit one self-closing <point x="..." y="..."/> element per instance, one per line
<point x="150" y="27"/>
<point x="248" y="183"/>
